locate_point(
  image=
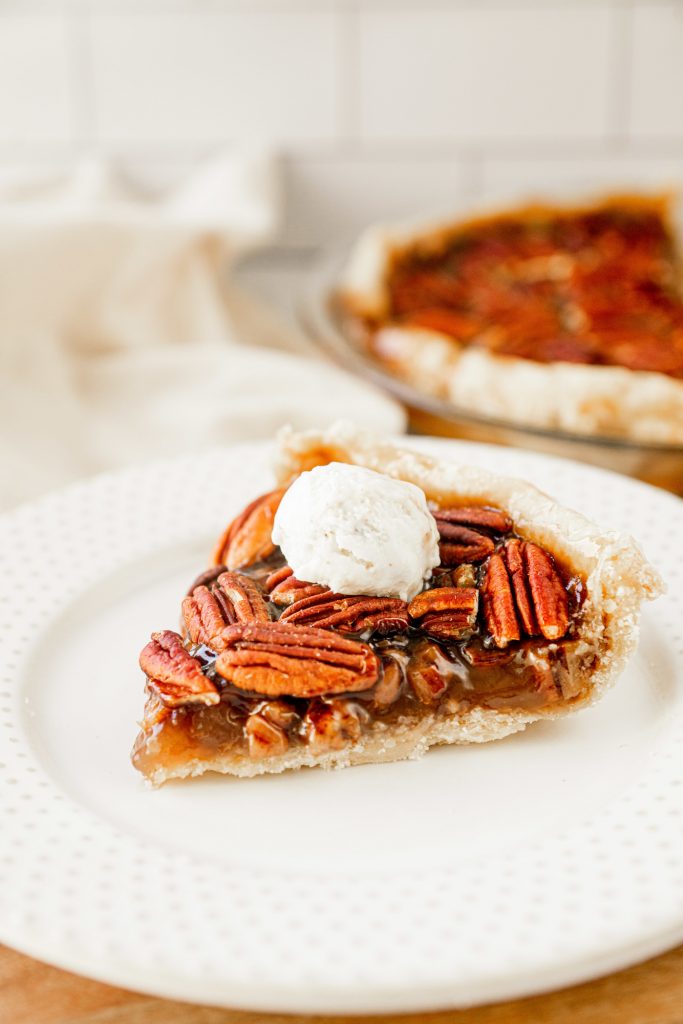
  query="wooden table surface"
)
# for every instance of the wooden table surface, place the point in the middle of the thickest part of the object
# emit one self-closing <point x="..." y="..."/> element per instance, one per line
<point x="32" y="993"/>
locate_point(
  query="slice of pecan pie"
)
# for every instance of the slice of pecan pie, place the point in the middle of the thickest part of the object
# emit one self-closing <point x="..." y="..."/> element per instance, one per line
<point x="530" y="612"/>
<point x="567" y="318"/>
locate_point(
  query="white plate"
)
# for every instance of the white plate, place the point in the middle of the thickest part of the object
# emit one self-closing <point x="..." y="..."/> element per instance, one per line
<point x="475" y="874"/>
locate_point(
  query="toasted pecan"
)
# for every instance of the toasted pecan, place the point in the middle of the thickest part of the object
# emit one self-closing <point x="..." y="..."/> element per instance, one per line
<point x="280" y="713"/>
<point x="464" y="532"/>
<point x="240" y="598"/>
<point x="514" y="558"/>
<point x="173" y="674"/>
<point x="500" y="613"/>
<point x="284" y="588"/>
<point x="277" y="659"/>
<point x="523" y="592"/>
<point x="446" y="613"/>
<point x="332" y="725"/>
<point x="480" y="517"/>
<point x="390" y="686"/>
<point x="248" y="538"/>
<point x="264" y="738"/>
<point x="464" y="545"/>
<point x="548" y="593"/>
<point x="424" y="673"/>
<point x="233" y="598"/>
<point x="477" y="655"/>
<point x="348" y="614"/>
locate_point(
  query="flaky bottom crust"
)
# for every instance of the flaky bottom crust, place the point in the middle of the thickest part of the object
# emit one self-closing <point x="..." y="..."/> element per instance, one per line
<point x="618" y="580"/>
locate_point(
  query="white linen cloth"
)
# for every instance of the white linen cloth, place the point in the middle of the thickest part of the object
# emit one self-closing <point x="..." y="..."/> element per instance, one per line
<point x="122" y="338"/>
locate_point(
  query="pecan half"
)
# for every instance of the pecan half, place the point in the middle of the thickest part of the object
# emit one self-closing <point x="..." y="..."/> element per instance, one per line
<point x="548" y="593"/>
<point x="173" y="674"/>
<point x="203" y="618"/>
<point x="248" y="537"/>
<point x="280" y="713"/>
<point x="277" y="660"/>
<point x="155" y="712"/>
<point x="284" y="588"/>
<point x="500" y="613"/>
<point x="520" y="584"/>
<point x="240" y="598"/>
<point x="523" y="591"/>
<point x="465" y="575"/>
<point x="477" y="516"/>
<point x="464" y="532"/>
<point x="265" y="739"/>
<point x="446" y="612"/>
<point x="569" y="666"/>
<point x="332" y="725"/>
<point x="278" y="576"/>
<point x="429" y="683"/>
<point x="389" y="688"/>
<point x="234" y="598"/>
<point x="348" y="614"/>
<point x="476" y="654"/>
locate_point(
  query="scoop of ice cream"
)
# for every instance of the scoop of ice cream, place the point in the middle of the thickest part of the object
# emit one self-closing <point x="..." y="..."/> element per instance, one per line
<point x="357" y="532"/>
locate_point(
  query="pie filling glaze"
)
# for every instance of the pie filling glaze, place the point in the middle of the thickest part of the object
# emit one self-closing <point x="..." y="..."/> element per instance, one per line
<point x="597" y="286"/>
<point x="265" y="664"/>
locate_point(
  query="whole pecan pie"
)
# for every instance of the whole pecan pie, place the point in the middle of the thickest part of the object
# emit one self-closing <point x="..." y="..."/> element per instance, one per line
<point x="564" y="318"/>
<point x="531" y="614"/>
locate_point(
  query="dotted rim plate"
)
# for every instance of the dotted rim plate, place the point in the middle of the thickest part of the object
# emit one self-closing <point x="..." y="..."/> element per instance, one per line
<point x="87" y="895"/>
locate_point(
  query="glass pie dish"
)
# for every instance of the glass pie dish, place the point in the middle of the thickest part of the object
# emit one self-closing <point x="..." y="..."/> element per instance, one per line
<point x="324" y="319"/>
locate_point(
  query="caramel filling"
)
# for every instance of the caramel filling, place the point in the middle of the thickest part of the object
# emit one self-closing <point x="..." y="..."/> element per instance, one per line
<point x="495" y="628"/>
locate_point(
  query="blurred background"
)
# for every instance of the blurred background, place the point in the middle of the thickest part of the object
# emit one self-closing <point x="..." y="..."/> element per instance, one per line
<point x="150" y="147"/>
<point x="377" y="107"/>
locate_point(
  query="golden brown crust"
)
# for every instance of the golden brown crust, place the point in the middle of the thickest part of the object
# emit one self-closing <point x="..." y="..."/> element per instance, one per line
<point x="618" y="580"/>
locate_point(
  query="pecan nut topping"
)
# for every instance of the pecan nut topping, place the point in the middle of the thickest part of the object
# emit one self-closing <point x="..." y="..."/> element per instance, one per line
<point x="233" y="598"/>
<point x="425" y="673"/>
<point x="248" y="537"/>
<point x="548" y="593"/>
<point x="173" y="674"/>
<point x="464" y="532"/>
<point x="389" y="688"/>
<point x="240" y="598"/>
<point x="500" y="613"/>
<point x="332" y="725"/>
<point x="156" y="711"/>
<point x="280" y="713"/>
<point x="284" y="588"/>
<point x="446" y="612"/>
<point x="348" y="614"/>
<point x="523" y="592"/>
<point x="279" y="660"/>
<point x="477" y="655"/>
<point x="464" y="575"/>
<point x="264" y="738"/>
<point x="514" y="559"/>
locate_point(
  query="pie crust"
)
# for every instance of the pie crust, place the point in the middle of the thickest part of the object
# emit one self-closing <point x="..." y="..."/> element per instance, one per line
<point x="582" y="398"/>
<point x="616" y="580"/>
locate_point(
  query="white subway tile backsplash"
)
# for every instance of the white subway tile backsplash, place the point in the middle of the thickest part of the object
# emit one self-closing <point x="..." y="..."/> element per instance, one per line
<point x="483" y="73"/>
<point x="207" y="77"/>
<point x="571" y="177"/>
<point x="34" y="79"/>
<point x="384" y="109"/>
<point x="329" y="200"/>
<point x="656" y="93"/>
